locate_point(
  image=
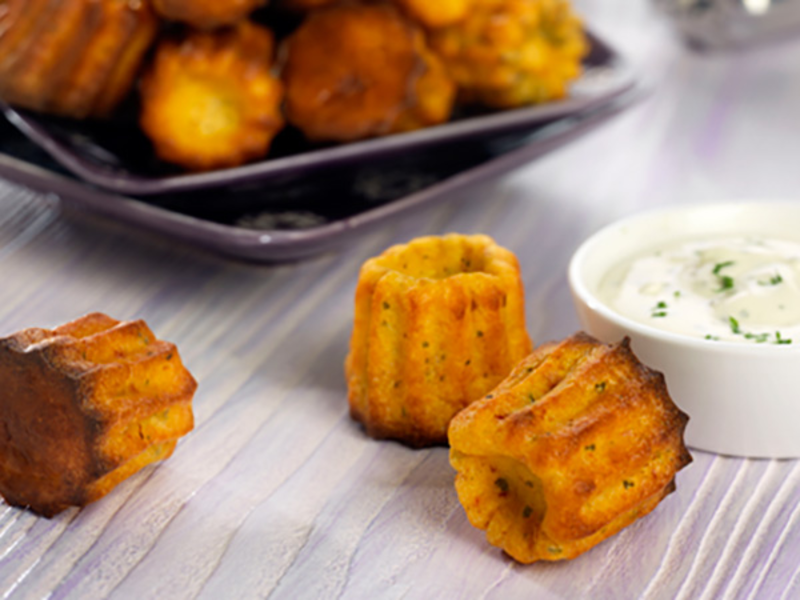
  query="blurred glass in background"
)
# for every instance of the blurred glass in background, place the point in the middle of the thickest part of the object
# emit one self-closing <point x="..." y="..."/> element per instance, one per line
<point x="729" y="24"/>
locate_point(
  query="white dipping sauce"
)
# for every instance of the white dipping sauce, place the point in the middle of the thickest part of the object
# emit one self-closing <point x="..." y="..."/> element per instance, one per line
<point x="742" y="289"/>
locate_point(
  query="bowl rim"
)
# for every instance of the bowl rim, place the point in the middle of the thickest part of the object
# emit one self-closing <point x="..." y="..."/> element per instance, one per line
<point x="583" y="293"/>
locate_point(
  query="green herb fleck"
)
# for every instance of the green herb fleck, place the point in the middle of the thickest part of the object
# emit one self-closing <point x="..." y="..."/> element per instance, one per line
<point x="713" y="338"/>
<point x="719" y="266"/>
<point x="659" y="310"/>
<point x="627" y="484"/>
<point x="734" y="325"/>
<point x="725" y="283"/>
<point x="781" y="340"/>
<point x="502" y="484"/>
<point x="759" y="338"/>
<point x="425" y="344"/>
<point x="386" y="306"/>
<point x="532" y="398"/>
<point x="677" y="293"/>
<point x="600" y="387"/>
<point x="169" y="356"/>
<point x="590" y="448"/>
<point x="774" y="280"/>
<point x="527" y="512"/>
<point x="480" y="334"/>
<point x="554" y="550"/>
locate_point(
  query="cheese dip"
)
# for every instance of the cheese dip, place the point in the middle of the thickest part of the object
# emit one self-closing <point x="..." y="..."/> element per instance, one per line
<point x="743" y="289"/>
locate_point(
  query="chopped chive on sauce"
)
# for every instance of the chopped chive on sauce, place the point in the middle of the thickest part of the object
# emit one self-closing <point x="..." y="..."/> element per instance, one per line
<point x="736" y="289"/>
<point x="659" y="310"/>
<point x="758" y="338"/>
<point x="734" y="325"/>
<point x="774" y="280"/>
<point x="725" y="283"/>
<point x="781" y="340"/>
<point x="502" y="484"/>
<point x="719" y="266"/>
<point x="627" y="484"/>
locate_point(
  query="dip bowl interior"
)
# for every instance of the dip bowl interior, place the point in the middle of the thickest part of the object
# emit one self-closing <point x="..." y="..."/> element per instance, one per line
<point x="743" y="399"/>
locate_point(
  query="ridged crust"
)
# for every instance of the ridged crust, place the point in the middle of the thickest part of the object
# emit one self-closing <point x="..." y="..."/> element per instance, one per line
<point x="357" y="71"/>
<point x="85" y="406"/>
<point x="437" y="14"/>
<point x="210" y="101"/>
<point x="206" y="14"/>
<point x="438" y="323"/>
<point x="509" y="53"/>
<point x="75" y="58"/>
<point x="580" y="441"/>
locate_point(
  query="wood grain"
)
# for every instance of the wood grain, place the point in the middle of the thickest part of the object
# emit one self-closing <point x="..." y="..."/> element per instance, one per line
<point x="277" y="493"/>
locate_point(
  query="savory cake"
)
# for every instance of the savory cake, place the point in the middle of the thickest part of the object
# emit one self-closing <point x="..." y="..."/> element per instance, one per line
<point x="210" y="101"/>
<point x="356" y="71"/>
<point x="438" y="323"/>
<point x="509" y="53"/>
<point x="84" y="406"/>
<point x="75" y="58"/>
<point x="577" y="443"/>
<point x="206" y="14"/>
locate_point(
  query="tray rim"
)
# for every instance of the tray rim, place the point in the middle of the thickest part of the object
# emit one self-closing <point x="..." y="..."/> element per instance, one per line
<point x="285" y="245"/>
<point x="263" y="171"/>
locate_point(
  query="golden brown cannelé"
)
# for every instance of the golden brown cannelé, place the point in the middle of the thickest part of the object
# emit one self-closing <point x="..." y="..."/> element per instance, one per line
<point x="84" y="406"/>
<point x="579" y="442"/>
<point x="438" y="323"/>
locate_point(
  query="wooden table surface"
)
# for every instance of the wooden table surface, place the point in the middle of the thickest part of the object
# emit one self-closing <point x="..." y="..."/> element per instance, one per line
<point x="277" y="493"/>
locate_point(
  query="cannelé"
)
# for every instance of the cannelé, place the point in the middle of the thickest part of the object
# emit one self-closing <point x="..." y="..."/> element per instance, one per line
<point x="579" y="442"/>
<point x="438" y="323"/>
<point x="83" y="407"/>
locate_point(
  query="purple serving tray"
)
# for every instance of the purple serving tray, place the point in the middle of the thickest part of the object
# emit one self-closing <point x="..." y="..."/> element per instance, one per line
<point x="116" y="156"/>
<point x="24" y="163"/>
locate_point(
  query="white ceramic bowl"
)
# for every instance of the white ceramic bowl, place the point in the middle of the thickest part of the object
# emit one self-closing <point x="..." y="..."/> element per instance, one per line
<point x="742" y="399"/>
